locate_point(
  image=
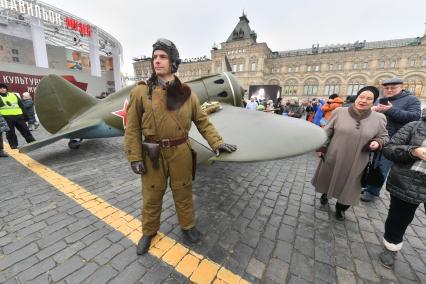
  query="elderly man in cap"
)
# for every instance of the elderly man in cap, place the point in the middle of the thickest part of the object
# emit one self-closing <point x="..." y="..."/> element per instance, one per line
<point x="400" y="108"/>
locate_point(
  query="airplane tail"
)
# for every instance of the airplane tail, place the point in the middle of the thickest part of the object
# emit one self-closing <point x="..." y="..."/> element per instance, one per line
<point x="58" y="102"/>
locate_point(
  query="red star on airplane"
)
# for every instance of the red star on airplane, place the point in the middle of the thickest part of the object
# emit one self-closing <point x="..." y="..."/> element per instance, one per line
<point x="122" y="113"/>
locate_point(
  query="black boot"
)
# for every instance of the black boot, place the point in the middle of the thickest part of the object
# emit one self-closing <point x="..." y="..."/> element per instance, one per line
<point x="143" y="244"/>
<point x="324" y="199"/>
<point x="387" y="258"/>
<point x="192" y="235"/>
<point x="340" y="211"/>
<point x="3" y="154"/>
<point x="340" y="215"/>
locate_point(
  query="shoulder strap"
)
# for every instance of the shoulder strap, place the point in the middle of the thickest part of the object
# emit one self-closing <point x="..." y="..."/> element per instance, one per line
<point x="374" y="158"/>
<point x="172" y="114"/>
<point x="174" y="117"/>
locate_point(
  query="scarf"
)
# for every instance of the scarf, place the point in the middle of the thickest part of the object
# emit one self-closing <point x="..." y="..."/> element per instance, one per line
<point x="357" y="115"/>
<point x="176" y="92"/>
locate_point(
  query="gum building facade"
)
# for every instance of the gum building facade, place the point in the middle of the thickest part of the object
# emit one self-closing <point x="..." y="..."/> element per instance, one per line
<point x="318" y="71"/>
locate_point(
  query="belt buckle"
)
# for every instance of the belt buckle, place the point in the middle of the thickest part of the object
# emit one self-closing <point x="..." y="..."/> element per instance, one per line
<point x="165" y="143"/>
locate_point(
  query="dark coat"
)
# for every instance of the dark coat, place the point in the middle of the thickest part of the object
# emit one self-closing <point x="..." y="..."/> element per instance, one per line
<point x="29" y="109"/>
<point x="295" y="109"/>
<point x="402" y="182"/>
<point x="405" y="108"/>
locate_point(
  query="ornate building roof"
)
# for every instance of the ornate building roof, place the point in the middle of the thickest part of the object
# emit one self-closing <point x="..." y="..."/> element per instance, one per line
<point x="242" y="30"/>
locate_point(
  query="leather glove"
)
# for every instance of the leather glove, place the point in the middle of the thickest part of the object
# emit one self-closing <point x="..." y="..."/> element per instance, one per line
<point x="138" y="167"/>
<point x="225" y="148"/>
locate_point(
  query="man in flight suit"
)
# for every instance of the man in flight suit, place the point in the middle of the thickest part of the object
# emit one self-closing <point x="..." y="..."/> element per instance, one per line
<point x="160" y="112"/>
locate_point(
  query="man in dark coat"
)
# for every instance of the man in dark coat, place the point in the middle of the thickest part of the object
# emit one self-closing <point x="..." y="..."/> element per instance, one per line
<point x="28" y="104"/>
<point x="401" y="108"/>
<point x="12" y="109"/>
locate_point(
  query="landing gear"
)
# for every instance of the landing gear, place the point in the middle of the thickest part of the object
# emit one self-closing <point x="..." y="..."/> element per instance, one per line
<point x="74" y="143"/>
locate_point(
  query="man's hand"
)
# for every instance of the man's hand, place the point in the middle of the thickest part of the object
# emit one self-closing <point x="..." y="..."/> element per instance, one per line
<point x="225" y="148"/>
<point x="138" y="167"/>
<point x="383" y="108"/>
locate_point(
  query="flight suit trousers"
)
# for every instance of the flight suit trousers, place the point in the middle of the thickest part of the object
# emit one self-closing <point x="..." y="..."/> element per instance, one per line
<point x="175" y="163"/>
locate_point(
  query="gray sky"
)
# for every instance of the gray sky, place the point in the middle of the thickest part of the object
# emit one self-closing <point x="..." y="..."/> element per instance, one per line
<point x="194" y="25"/>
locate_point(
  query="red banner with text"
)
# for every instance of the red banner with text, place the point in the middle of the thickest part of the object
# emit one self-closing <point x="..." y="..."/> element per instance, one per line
<point x="21" y="83"/>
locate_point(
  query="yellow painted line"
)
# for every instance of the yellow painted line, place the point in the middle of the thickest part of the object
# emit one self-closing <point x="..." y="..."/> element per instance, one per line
<point x="185" y="261"/>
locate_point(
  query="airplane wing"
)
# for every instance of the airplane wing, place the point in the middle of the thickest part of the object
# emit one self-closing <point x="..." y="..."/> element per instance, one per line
<point x="259" y="136"/>
<point x="70" y="131"/>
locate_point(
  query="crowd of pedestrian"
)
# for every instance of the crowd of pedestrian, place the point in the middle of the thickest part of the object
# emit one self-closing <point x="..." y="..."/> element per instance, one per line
<point x="361" y="128"/>
<point x="384" y="129"/>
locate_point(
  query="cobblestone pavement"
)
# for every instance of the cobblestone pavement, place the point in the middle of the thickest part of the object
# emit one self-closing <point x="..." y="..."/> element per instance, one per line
<point x="261" y="221"/>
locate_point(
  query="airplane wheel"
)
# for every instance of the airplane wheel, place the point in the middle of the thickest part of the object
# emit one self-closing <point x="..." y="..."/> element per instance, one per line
<point x="74" y="144"/>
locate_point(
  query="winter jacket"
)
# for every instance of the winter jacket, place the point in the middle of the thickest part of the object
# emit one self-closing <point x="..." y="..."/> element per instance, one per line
<point x="295" y="109"/>
<point x="319" y="113"/>
<point x="402" y="182"/>
<point x="405" y="108"/>
<point x="327" y="108"/>
<point x="29" y="110"/>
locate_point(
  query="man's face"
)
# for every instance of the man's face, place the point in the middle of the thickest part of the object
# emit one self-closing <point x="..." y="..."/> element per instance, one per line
<point x="392" y="90"/>
<point x="161" y="63"/>
<point x="75" y="56"/>
<point x="3" y="90"/>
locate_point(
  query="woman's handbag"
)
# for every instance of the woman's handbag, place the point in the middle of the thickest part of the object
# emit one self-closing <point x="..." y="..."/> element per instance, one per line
<point x="372" y="175"/>
<point x="4" y="127"/>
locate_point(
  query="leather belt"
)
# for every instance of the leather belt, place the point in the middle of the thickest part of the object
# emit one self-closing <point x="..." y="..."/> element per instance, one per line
<point x="167" y="143"/>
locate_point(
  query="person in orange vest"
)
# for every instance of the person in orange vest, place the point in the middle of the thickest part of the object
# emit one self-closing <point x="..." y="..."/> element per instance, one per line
<point x="334" y="101"/>
<point x="12" y="109"/>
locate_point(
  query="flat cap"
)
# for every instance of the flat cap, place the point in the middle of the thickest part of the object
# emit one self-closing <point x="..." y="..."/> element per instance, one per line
<point x="393" y="81"/>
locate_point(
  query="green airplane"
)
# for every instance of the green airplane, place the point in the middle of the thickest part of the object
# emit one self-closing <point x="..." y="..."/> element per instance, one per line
<point x="68" y="112"/>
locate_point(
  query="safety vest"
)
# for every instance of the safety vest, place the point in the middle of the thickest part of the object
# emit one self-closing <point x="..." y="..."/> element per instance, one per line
<point x="11" y="108"/>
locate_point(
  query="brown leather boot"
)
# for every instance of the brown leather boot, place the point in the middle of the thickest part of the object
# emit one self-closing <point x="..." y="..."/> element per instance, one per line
<point x="192" y="235"/>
